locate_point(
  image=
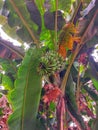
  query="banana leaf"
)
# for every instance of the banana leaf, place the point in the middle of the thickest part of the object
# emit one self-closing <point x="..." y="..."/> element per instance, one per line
<point x="17" y="21"/>
<point x="21" y="6"/>
<point x="25" y="97"/>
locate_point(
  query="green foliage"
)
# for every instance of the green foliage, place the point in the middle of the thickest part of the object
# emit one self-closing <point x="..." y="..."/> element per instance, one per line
<point x="3" y="20"/>
<point x="70" y="92"/>
<point x="95" y="82"/>
<point x="7" y="82"/>
<point x="8" y="66"/>
<point x="52" y="106"/>
<point x="1" y="113"/>
<point x="0" y="78"/>
<point x="1" y="4"/>
<point x="24" y="35"/>
<point x="5" y="26"/>
<point x="92" y="94"/>
<point x="46" y="38"/>
<point x="63" y="7"/>
<point x="14" y="21"/>
<point x="26" y="95"/>
<point x="0" y="95"/>
<point x="40" y="5"/>
<point x="9" y="69"/>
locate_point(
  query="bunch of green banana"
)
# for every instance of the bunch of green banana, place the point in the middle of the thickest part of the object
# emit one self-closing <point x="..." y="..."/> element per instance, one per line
<point x="50" y="63"/>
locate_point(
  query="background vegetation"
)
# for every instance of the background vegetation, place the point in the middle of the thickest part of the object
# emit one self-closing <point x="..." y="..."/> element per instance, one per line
<point x="53" y="83"/>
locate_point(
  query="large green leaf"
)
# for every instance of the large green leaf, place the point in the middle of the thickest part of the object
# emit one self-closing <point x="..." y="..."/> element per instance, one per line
<point x="26" y="95"/>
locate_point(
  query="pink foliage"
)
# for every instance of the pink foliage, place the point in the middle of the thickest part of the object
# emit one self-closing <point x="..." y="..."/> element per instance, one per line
<point x="83" y="59"/>
<point x="6" y="111"/>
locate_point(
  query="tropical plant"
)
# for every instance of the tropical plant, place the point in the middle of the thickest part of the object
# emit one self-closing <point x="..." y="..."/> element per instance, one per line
<point x="52" y="85"/>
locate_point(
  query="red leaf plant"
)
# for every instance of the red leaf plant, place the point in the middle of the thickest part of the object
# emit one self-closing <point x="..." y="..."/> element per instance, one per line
<point x="52" y="94"/>
<point x="5" y="112"/>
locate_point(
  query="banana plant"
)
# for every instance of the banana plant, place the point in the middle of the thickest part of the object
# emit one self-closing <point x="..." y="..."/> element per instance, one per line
<point x="63" y="64"/>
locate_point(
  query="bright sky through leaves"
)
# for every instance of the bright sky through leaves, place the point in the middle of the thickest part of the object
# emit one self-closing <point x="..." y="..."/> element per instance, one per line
<point x="6" y="37"/>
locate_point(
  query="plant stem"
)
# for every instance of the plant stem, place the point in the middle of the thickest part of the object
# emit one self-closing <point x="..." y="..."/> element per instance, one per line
<point x="41" y="3"/>
<point x="12" y="48"/>
<point x="76" y="11"/>
<point x="64" y="82"/>
<point x="56" y="14"/>
<point x="78" y="88"/>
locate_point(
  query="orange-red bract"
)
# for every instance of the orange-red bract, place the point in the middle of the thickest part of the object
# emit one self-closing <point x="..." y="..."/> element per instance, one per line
<point x="62" y="51"/>
<point x="68" y="36"/>
<point x="52" y="95"/>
